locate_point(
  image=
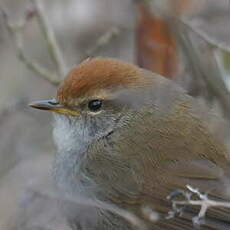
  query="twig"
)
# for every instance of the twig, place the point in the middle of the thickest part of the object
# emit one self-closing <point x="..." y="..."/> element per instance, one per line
<point x="103" y="40"/>
<point x="203" y="67"/>
<point x="204" y="202"/>
<point x="15" y="30"/>
<point x="53" y="47"/>
<point x="222" y="46"/>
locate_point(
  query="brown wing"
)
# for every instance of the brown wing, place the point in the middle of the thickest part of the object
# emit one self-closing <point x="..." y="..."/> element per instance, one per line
<point x="202" y="174"/>
<point x="172" y="146"/>
<point x="164" y="145"/>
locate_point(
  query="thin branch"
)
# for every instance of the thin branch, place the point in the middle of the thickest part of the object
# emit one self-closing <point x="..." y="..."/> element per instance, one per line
<point x="204" y="202"/>
<point x="103" y="40"/>
<point x="221" y="45"/>
<point x="15" y="30"/>
<point x="53" y="47"/>
<point x="203" y="67"/>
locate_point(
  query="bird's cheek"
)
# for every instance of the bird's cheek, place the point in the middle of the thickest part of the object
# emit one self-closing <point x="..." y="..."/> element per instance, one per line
<point x="71" y="134"/>
<point x="60" y="131"/>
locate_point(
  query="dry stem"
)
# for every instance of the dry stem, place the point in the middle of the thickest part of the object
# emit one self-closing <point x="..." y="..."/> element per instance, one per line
<point x="16" y="32"/>
<point x="53" y="48"/>
<point x="103" y="40"/>
<point x="204" y="202"/>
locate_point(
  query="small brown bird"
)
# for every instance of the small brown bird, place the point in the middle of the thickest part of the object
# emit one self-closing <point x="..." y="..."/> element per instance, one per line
<point x="129" y="137"/>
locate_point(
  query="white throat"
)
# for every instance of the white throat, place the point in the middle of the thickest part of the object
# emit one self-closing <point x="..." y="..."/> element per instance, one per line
<point x="72" y="139"/>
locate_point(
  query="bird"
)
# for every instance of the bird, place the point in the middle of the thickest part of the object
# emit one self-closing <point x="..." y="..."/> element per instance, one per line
<point x="128" y="137"/>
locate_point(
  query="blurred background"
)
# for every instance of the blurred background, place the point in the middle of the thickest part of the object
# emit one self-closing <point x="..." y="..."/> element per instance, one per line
<point x="187" y="41"/>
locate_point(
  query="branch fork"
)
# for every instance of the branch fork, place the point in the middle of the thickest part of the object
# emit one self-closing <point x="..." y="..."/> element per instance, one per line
<point x="201" y="200"/>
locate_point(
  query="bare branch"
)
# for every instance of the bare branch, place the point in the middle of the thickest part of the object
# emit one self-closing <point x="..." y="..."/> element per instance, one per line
<point x="211" y="40"/>
<point x="53" y="47"/>
<point x="204" y="202"/>
<point x="203" y="63"/>
<point x="15" y="30"/>
<point x="103" y="40"/>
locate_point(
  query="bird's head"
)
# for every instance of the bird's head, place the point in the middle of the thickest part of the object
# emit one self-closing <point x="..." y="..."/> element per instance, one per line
<point x="93" y="100"/>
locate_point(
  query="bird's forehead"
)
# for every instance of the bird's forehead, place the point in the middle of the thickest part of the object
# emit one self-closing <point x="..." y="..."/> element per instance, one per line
<point x="97" y="76"/>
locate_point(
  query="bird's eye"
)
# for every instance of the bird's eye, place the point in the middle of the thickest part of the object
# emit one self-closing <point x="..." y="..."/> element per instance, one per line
<point x="95" y="105"/>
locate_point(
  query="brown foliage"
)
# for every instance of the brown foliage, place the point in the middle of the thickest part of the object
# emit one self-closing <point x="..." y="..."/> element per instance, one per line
<point x="155" y="44"/>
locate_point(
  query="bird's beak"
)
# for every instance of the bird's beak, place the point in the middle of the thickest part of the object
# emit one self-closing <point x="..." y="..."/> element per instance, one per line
<point x="54" y="106"/>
